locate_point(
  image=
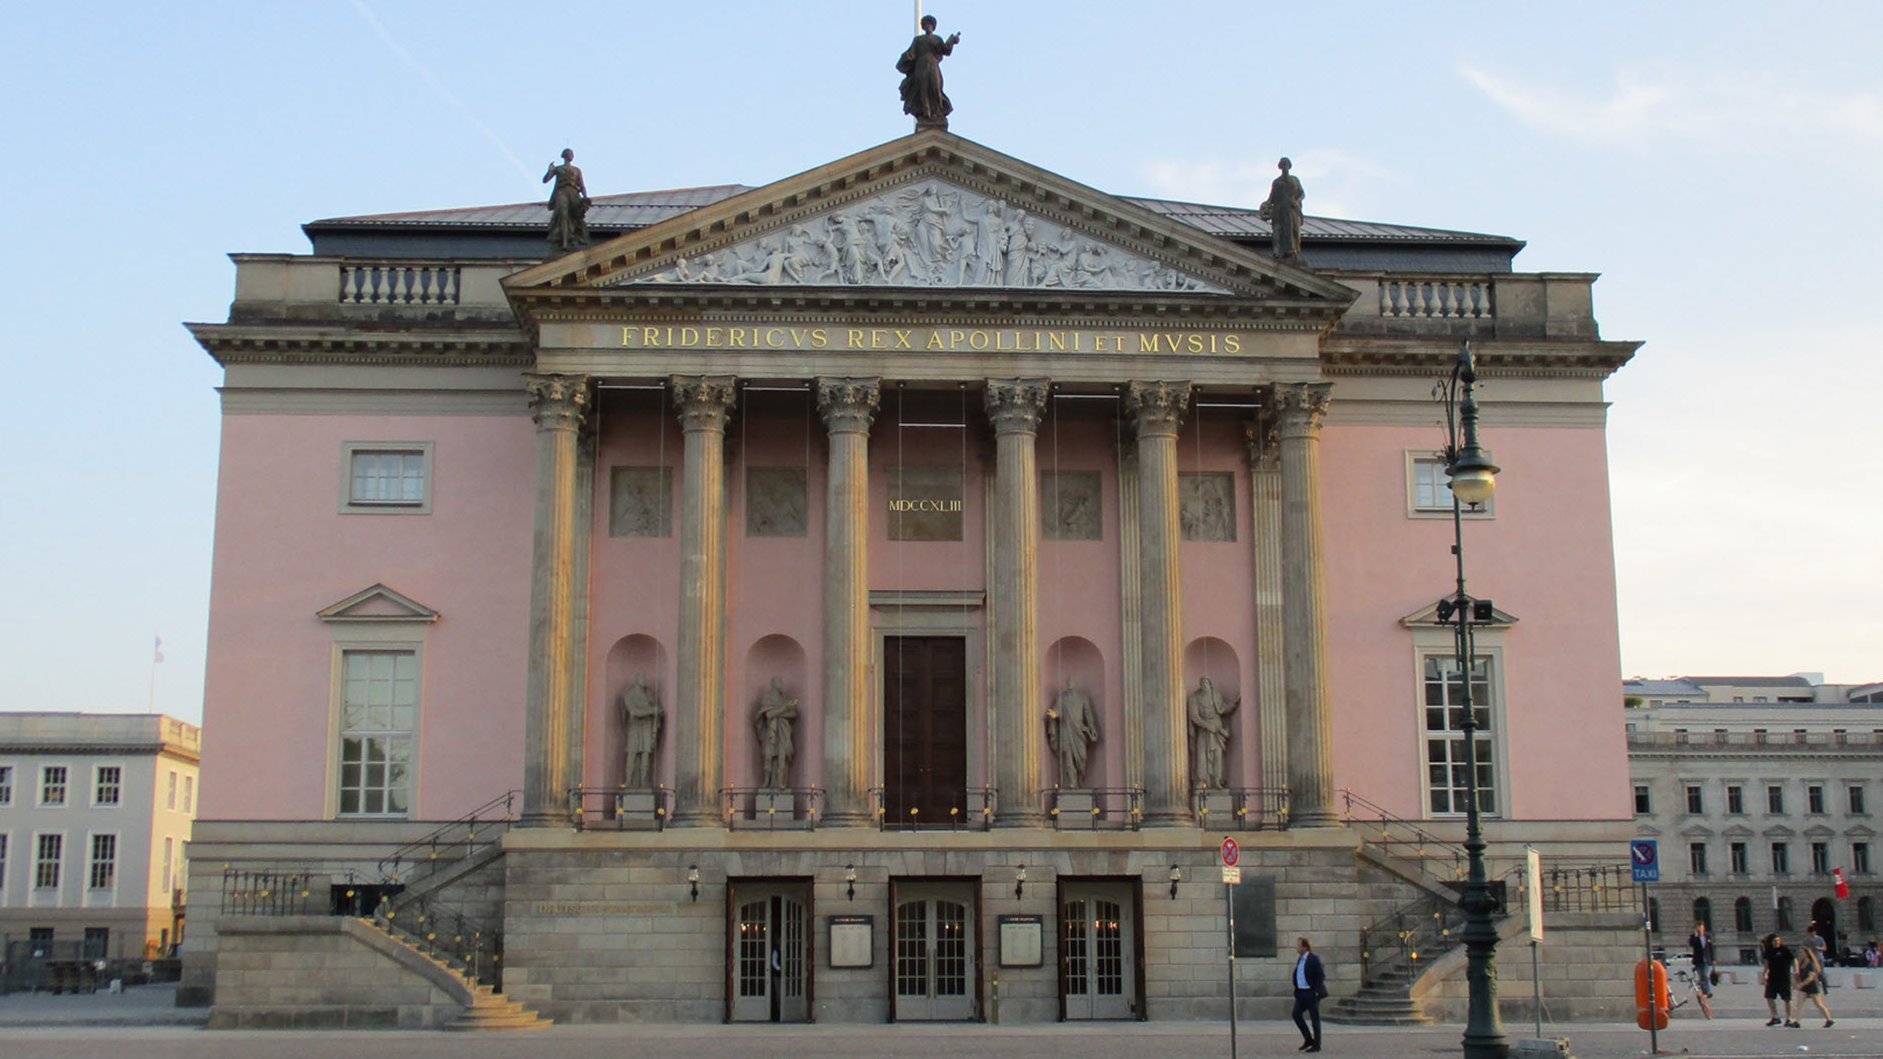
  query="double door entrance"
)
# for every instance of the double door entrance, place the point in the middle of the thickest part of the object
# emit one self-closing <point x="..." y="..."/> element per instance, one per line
<point x="771" y="952"/>
<point x="933" y="965"/>
<point x="925" y="731"/>
<point x="1098" y="930"/>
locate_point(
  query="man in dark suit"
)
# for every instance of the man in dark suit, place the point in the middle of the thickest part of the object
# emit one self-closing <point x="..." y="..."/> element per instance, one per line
<point x="1310" y="986"/>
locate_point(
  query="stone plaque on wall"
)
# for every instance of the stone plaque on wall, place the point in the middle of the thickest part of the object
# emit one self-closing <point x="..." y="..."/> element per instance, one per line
<point x="1255" y="919"/>
<point x="924" y="503"/>
<point x="1069" y="506"/>
<point x="1206" y="506"/>
<point x="640" y="501"/>
<point x="774" y="502"/>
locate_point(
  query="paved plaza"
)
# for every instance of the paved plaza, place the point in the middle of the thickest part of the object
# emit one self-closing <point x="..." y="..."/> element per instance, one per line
<point x="47" y="1027"/>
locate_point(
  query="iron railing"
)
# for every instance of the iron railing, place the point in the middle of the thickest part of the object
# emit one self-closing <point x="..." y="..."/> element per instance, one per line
<point x="480" y="828"/>
<point x="620" y="808"/>
<point x="271" y="893"/>
<point x="972" y="811"/>
<point x="1403" y="839"/>
<point x="771" y="808"/>
<point x="1406" y="940"/>
<point x="1241" y="808"/>
<point x="467" y="945"/>
<point x="1094" y="808"/>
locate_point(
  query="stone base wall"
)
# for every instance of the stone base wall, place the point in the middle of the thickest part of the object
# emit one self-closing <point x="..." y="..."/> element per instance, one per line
<point x="604" y="927"/>
<point x="325" y="972"/>
<point x="1587" y="963"/>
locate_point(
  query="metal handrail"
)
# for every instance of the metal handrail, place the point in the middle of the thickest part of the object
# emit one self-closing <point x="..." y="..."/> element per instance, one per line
<point x="461" y="942"/>
<point x="964" y="817"/>
<point x="743" y="803"/>
<point x="481" y="819"/>
<point x="1403" y="838"/>
<point x="1250" y="809"/>
<point x="612" y="808"/>
<point x="1103" y="812"/>
<point x="269" y="893"/>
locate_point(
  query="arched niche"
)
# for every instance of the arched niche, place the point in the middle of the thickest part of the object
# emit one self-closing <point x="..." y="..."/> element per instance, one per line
<point x="1207" y="656"/>
<point x="1077" y="659"/>
<point x="632" y="655"/>
<point x="770" y="656"/>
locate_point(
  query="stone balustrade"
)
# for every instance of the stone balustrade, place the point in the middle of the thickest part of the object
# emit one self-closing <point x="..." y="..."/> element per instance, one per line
<point x="1490" y="305"/>
<point x="296" y="287"/>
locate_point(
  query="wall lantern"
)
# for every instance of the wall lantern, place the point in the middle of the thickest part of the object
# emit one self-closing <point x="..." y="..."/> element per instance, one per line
<point x="1019" y="882"/>
<point x="1176" y="876"/>
<point x="693" y="879"/>
<point x="850" y="879"/>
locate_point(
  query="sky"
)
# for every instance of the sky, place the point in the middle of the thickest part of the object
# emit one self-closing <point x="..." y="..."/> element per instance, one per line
<point x="1719" y="163"/>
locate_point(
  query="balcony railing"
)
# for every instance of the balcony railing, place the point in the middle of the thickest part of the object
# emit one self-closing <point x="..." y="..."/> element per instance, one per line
<point x="1095" y="808"/>
<point x="771" y="808"/>
<point x="400" y="283"/>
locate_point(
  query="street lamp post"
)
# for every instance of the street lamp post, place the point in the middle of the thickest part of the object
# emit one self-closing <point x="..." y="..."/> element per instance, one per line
<point x="1473" y="478"/>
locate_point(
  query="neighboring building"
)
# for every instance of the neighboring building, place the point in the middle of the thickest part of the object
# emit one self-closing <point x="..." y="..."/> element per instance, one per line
<point x="924" y="435"/>
<point x="95" y="809"/>
<point x="1757" y="788"/>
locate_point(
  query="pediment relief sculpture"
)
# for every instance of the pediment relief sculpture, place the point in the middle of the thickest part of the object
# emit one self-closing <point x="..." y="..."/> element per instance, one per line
<point x="931" y="234"/>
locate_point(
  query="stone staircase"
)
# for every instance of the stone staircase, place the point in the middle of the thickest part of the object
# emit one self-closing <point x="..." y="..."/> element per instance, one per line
<point x="1386" y="1001"/>
<point x="491" y="1010"/>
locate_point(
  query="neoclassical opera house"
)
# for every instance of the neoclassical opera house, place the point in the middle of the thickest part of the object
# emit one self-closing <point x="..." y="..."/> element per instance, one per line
<point x="875" y="596"/>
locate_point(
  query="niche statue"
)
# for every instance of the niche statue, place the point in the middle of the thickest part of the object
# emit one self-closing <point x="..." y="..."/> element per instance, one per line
<point x="1209" y="712"/>
<point x="773" y="721"/>
<point x="640" y="718"/>
<point x="1071" y="729"/>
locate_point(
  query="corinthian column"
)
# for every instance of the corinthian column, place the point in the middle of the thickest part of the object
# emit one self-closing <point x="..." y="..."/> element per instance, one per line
<point x="700" y="690"/>
<point x="850" y="744"/>
<point x="1299" y="409"/>
<point x="1015" y="407"/>
<point x="1157" y="410"/>
<point x="1271" y="685"/>
<point x="558" y="403"/>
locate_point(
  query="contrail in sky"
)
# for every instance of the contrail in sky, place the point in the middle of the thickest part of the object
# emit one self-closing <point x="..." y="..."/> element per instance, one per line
<point x="489" y="133"/>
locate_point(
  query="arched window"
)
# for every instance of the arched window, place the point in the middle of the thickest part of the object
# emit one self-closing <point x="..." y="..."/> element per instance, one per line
<point x="1866" y="915"/>
<point x="1742" y="915"/>
<point x="1784" y="914"/>
<point x="1703" y="912"/>
<point x="1654" y="914"/>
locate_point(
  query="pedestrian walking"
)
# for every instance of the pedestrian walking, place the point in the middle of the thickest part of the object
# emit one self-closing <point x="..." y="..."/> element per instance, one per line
<point x="1777" y="979"/>
<point x="1700" y="945"/>
<point x="1811" y="981"/>
<point x="1310" y="986"/>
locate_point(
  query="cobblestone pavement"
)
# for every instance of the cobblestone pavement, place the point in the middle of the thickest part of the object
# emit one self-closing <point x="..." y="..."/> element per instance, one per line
<point x="1849" y="1039"/>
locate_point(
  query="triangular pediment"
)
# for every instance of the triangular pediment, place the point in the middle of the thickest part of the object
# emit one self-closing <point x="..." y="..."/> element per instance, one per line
<point x="932" y="212"/>
<point x="378" y="604"/>
<point x="1428" y="616"/>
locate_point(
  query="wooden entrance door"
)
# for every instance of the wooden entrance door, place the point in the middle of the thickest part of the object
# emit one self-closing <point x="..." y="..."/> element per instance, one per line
<point x="1096" y="940"/>
<point x="925" y="730"/>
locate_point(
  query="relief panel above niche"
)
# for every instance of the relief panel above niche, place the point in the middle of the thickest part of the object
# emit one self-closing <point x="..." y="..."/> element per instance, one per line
<point x="930" y="234"/>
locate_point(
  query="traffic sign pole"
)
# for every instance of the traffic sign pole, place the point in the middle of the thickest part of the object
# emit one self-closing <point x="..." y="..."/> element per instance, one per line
<point x="1232" y="856"/>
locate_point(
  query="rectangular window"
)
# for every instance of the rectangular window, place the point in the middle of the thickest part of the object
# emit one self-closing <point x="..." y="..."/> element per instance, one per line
<point x="1735" y="799"/>
<point x="1775" y="800"/>
<point x="40" y="938"/>
<point x="377" y="715"/>
<point x="189" y="794"/>
<point x="104" y="865"/>
<point x="107" y="783"/>
<point x="1820" y="858"/>
<point x="1781" y="859"/>
<point x="1447" y="774"/>
<point x="1814" y="798"/>
<point x="6" y="784"/>
<point x="52" y="785"/>
<point x="48" y="859"/>
<point x="1859" y="858"/>
<point x="3" y="865"/>
<point x="388" y="477"/>
<point x="1696" y="858"/>
<point x="1695" y="803"/>
<point x="170" y="795"/>
<point x="1738" y="852"/>
<point x="97" y="942"/>
<point x="169" y="864"/>
<point x="1428" y="487"/>
<point x="1643" y="803"/>
<point x="1855" y="794"/>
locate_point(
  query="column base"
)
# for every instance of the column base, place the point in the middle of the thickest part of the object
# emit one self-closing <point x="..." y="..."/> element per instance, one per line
<point x="697" y="818"/>
<point x="846" y="819"/>
<point x="1179" y="817"/>
<point x="541" y="819"/>
<point x="1022" y="818"/>
<point x="1316" y="818"/>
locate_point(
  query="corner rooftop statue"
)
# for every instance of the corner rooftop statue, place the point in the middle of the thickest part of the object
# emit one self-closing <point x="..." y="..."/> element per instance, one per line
<point x="920" y="67"/>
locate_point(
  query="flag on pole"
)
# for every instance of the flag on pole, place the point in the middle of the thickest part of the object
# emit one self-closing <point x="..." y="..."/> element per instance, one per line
<point x="1842" y="888"/>
<point x="156" y="651"/>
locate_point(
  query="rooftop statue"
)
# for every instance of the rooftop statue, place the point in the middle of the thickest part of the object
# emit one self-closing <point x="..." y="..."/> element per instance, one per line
<point x="1282" y="211"/>
<point x="920" y="67"/>
<point x="568" y="204"/>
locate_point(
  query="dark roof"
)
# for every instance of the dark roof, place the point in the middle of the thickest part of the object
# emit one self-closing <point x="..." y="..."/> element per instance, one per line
<point x="637" y="209"/>
<point x="1750" y="682"/>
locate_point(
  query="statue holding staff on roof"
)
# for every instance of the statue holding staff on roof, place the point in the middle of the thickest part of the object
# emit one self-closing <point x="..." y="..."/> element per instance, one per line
<point x="1282" y="211"/>
<point x="568" y="204"/>
<point x="920" y="67"/>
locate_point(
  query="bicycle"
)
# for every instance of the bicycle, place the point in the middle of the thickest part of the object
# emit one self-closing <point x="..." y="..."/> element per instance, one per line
<point x="1691" y="982"/>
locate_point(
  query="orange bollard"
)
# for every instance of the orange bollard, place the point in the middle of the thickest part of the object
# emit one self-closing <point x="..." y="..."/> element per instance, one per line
<point x="1653" y="971"/>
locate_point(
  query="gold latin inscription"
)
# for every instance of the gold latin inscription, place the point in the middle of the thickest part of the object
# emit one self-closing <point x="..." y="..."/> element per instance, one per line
<point x="938" y="339"/>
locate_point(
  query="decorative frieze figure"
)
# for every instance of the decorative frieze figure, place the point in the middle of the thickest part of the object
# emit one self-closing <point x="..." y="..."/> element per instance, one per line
<point x="920" y="67"/>
<point x="1282" y="211"/>
<point x="641" y="718"/>
<point x="774" y="722"/>
<point x="1209" y="711"/>
<point x="568" y="204"/>
<point x="1071" y="731"/>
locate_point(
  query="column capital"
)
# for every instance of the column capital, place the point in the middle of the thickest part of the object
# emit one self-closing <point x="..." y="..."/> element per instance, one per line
<point x="1299" y="408"/>
<point x="1015" y="406"/>
<point x="557" y="402"/>
<point x="1157" y="407"/>
<point x="1263" y="435"/>
<point x="703" y="400"/>
<point x="848" y="405"/>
